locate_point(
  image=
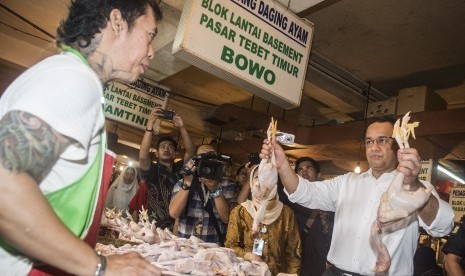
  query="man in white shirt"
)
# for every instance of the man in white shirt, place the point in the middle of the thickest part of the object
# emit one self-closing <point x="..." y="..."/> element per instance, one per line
<point x="355" y="199"/>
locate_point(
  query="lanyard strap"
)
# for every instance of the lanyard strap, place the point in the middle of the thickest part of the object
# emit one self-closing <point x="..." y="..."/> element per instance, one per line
<point x="75" y="52"/>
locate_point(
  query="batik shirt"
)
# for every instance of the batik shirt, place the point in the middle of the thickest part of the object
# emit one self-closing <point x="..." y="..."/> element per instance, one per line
<point x="282" y="247"/>
<point x="159" y="183"/>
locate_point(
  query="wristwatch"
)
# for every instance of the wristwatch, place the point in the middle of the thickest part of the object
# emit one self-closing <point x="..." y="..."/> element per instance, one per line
<point x="151" y="130"/>
<point x="216" y="193"/>
<point x="185" y="187"/>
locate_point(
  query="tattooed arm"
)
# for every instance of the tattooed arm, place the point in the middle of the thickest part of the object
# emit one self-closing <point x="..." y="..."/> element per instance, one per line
<point x="29" y="148"/>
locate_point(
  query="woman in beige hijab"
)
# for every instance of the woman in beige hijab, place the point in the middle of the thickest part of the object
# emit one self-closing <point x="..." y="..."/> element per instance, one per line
<point x="265" y="230"/>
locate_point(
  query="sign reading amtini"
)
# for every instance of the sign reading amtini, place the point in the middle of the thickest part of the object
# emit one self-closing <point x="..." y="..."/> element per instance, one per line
<point x="132" y="103"/>
<point x="256" y="44"/>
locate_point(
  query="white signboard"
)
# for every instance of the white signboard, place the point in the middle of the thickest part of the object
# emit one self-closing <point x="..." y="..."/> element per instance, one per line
<point x="425" y="171"/>
<point x="131" y="104"/>
<point x="457" y="201"/>
<point x="258" y="45"/>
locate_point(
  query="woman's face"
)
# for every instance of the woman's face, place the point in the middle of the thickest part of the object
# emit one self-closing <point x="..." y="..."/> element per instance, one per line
<point x="255" y="185"/>
<point x="129" y="176"/>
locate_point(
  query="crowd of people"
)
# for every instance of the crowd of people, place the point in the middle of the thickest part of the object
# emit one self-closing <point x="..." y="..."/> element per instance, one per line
<point x="305" y="222"/>
<point x="53" y="147"/>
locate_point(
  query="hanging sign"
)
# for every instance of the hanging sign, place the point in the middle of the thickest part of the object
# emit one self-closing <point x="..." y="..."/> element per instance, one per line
<point x="132" y="103"/>
<point x="457" y="201"/>
<point x="425" y="171"/>
<point x="258" y="45"/>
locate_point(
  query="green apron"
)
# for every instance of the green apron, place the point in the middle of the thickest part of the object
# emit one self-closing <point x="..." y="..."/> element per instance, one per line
<point x="75" y="204"/>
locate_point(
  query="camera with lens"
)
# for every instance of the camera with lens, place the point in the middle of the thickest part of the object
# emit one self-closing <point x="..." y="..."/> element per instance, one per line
<point x="208" y="166"/>
<point x="165" y="114"/>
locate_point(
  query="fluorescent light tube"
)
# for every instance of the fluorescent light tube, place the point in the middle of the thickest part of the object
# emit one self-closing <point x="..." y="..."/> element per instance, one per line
<point x="447" y="172"/>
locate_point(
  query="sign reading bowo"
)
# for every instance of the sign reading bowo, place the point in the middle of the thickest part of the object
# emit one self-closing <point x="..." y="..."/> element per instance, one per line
<point x="257" y="45"/>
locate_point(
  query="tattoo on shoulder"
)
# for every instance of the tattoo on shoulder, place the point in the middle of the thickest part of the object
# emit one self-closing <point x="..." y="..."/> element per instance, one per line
<point x="28" y="144"/>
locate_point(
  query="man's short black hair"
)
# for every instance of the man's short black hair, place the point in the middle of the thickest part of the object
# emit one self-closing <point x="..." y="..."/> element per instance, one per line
<point x="167" y="138"/>
<point x="382" y="119"/>
<point x="315" y="164"/>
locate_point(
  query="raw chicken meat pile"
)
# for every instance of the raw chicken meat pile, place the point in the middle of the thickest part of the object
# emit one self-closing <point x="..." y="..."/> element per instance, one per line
<point x="176" y="256"/>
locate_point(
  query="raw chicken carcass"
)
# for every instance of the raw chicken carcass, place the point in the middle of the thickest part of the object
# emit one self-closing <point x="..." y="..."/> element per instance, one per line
<point x="267" y="180"/>
<point x="132" y="224"/>
<point x="267" y="172"/>
<point x="147" y="235"/>
<point x="179" y="257"/>
<point x="397" y="204"/>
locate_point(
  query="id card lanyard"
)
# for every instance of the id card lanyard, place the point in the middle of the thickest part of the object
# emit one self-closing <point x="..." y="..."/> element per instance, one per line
<point x="259" y="242"/>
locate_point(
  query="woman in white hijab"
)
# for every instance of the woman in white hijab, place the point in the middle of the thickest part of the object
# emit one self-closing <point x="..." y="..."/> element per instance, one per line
<point x="122" y="190"/>
<point x="265" y="230"/>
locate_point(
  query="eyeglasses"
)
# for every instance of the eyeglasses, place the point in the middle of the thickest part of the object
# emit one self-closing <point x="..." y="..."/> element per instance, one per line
<point x="381" y="141"/>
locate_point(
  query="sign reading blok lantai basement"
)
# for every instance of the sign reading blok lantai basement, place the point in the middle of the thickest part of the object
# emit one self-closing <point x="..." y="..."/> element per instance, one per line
<point x="259" y="46"/>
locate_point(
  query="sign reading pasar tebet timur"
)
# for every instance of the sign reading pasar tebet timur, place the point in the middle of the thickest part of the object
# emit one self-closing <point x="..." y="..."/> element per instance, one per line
<point x="132" y="103"/>
<point x="258" y="45"/>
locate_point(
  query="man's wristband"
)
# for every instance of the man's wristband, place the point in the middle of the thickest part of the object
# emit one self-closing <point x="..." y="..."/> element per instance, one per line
<point x="152" y="131"/>
<point x="101" y="266"/>
<point x="216" y="193"/>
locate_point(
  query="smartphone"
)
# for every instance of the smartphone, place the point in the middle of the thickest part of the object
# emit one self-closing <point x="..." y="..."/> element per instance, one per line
<point x="165" y="114"/>
<point x="254" y="159"/>
<point x="285" y="138"/>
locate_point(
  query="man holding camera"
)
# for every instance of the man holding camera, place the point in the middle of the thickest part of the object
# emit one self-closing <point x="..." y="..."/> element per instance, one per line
<point x="159" y="179"/>
<point x="202" y="199"/>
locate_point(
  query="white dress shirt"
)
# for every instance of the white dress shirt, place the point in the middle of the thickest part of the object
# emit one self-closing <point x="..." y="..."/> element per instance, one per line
<point x="355" y="199"/>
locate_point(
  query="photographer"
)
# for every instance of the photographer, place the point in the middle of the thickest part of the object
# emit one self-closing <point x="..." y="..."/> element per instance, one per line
<point x="201" y="200"/>
<point x="154" y="193"/>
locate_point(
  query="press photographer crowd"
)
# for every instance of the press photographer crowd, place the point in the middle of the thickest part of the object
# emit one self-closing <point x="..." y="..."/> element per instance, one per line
<point x="194" y="210"/>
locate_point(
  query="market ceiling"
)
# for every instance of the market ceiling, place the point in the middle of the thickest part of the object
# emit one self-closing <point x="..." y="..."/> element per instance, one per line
<point x="382" y="44"/>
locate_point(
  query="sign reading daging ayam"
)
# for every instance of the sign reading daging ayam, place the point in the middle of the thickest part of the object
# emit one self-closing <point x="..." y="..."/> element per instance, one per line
<point x="132" y="103"/>
<point x="258" y="45"/>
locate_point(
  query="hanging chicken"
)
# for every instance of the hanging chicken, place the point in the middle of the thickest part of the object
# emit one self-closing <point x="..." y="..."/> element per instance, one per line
<point x="267" y="186"/>
<point x="398" y="204"/>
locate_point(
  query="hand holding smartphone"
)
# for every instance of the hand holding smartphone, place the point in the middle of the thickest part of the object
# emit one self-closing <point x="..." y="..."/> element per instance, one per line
<point x="165" y="114"/>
